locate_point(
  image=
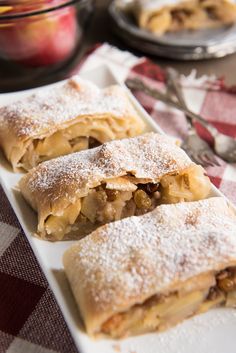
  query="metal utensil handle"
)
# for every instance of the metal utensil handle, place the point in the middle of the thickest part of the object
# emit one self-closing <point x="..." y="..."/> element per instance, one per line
<point x="173" y="85"/>
<point x="140" y="85"/>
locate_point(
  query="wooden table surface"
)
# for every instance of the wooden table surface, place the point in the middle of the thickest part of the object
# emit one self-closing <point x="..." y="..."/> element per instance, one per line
<point x="99" y="30"/>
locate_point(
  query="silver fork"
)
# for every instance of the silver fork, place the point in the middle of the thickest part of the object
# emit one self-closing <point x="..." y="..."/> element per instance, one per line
<point x="197" y="149"/>
<point x="224" y="146"/>
<point x="194" y="146"/>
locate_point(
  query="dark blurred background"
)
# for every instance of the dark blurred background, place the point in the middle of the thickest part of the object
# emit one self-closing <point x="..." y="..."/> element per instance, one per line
<point x="99" y="30"/>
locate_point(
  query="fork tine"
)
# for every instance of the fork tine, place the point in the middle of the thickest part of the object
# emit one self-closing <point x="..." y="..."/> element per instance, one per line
<point x="207" y="158"/>
<point x="196" y="158"/>
<point x="204" y="157"/>
<point x="210" y="158"/>
<point x="189" y="151"/>
<point x="214" y="160"/>
<point x="203" y="161"/>
<point x="191" y="155"/>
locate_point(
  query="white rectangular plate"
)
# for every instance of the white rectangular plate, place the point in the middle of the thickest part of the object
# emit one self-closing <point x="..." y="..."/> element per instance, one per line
<point x="211" y="332"/>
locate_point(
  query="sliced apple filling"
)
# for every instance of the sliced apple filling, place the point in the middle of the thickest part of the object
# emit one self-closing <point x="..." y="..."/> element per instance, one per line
<point x="189" y="185"/>
<point x="56" y="145"/>
<point x="190" y="15"/>
<point x="80" y="136"/>
<point x="61" y="225"/>
<point x="160" y="312"/>
<point x="126" y="196"/>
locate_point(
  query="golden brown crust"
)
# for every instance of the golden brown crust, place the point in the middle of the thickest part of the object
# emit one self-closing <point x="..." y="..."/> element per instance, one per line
<point x="58" y="183"/>
<point x="103" y="114"/>
<point x="124" y="263"/>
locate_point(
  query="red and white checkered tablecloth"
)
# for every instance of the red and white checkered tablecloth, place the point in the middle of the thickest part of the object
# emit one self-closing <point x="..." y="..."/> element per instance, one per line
<point x="30" y="319"/>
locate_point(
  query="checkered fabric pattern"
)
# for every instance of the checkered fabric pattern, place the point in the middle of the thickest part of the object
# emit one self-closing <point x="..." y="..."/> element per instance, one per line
<point x="207" y="96"/>
<point x="30" y="319"/>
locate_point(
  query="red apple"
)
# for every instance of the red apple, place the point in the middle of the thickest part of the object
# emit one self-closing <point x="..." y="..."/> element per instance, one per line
<point x="41" y="39"/>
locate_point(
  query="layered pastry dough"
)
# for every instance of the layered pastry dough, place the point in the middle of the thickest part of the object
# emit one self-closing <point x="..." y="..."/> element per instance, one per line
<point x="161" y="16"/>
<point x="148" y="273"/>
<point x="75" y="194"/>
<point x="71" y="117"/>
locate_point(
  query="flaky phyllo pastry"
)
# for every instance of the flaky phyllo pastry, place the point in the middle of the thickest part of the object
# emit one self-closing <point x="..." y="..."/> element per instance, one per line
<point x="161" y="16"/>
<point x="148" y="273"/>
<point x="75" y="194"/>
<point x="71" y="117"/>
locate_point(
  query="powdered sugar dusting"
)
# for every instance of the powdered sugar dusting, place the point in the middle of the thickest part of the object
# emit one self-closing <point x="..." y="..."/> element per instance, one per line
<point x="140" y="256"/>
<point x="48" y="109"/>
<point x="148" y="156"/>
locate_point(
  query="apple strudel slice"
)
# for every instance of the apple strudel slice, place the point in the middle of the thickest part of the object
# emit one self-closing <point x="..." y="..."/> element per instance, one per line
<point x="71" y="117"/>
<point x="148" y="273"/>
<point x="161" y="16"/>
<point x="75" y="194"/>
